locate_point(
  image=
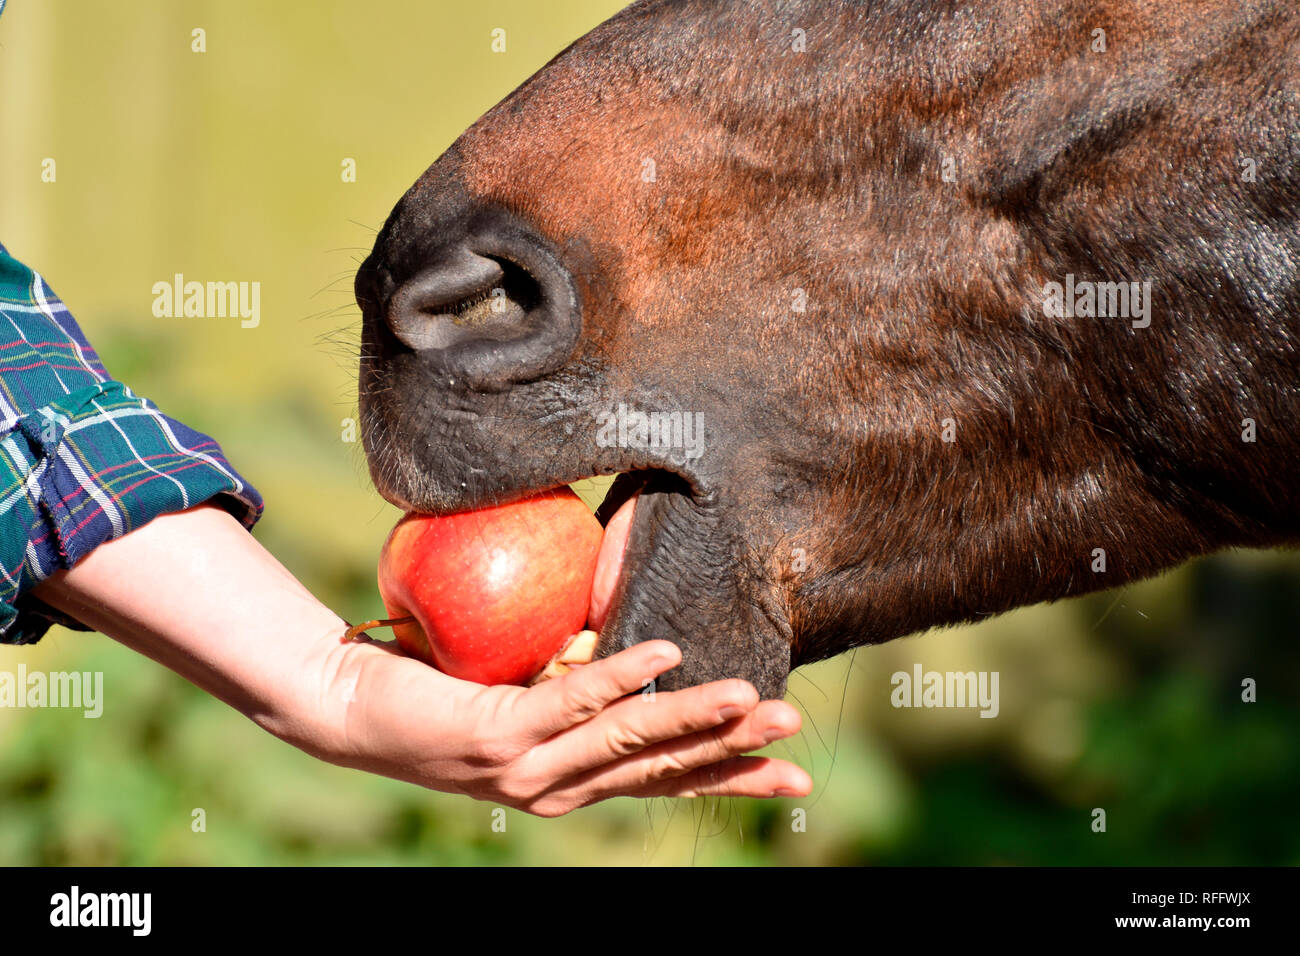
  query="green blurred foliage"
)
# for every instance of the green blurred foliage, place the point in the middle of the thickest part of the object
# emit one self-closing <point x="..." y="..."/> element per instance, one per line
<point x="226" y="165"/>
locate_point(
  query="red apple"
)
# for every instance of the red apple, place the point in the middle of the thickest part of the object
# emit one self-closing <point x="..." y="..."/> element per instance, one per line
<point x="495" y="592"/>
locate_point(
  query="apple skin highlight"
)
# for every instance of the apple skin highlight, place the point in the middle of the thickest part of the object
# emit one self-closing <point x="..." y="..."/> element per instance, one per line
<point x="496" y="592"/>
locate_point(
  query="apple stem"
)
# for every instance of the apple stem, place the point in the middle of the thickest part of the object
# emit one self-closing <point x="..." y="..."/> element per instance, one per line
<point x="356" y="630"/>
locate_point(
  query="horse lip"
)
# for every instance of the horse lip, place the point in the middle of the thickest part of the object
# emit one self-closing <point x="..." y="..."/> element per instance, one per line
<point x="604" y="599"/>
<point x="609" y="563"/>
<point x="648" y="487"/>
<point x="626" y="485"/>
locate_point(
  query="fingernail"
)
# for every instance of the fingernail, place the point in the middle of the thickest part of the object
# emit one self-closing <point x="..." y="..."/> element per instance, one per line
<point x="773" y="733"/>
<point x="785" y="792"/>
<point x="660" y="662"/>
<point x="730" y="712"/>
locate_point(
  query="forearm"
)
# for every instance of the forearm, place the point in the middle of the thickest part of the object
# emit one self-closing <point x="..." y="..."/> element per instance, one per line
<point x="196" y="592"/>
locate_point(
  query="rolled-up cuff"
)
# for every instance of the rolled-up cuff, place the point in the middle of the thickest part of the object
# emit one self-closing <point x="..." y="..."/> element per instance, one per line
<point x="92" y="466"/>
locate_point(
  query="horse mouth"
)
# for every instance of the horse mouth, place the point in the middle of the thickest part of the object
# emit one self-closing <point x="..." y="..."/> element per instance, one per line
<point x="632" y="516"/>
<point x="633" y="551"/>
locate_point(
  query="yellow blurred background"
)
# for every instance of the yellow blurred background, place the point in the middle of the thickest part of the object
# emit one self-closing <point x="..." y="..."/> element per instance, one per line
<point x="227" y="165"/>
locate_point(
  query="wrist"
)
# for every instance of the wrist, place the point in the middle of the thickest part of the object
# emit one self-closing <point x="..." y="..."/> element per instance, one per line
<point x="196" y="592"/>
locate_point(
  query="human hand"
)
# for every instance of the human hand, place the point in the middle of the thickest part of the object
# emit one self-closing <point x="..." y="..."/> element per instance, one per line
<point x="198" y="593"/>
<point x="567" y="742"/>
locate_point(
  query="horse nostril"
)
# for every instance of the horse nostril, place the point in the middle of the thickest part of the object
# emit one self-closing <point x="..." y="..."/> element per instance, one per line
<point x="493" y="312"/>
<point x="457" y="300"/>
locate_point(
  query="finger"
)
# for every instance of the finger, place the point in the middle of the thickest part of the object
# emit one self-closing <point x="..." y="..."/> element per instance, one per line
<point x="631" y="725"/>
<point x="770" y="721"/>
<point x="761" y="777"/>
<point x="556" y="705"/>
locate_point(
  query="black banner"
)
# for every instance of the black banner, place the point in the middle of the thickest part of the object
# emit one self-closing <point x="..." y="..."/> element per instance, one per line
<point x="370" y="906"/>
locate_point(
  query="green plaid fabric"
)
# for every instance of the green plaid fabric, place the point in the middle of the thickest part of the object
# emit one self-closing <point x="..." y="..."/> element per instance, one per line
<point x="83" y="459"/>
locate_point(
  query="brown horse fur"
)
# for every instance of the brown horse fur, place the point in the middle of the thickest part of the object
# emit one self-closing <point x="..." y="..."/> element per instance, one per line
<point x="837" y="258"/>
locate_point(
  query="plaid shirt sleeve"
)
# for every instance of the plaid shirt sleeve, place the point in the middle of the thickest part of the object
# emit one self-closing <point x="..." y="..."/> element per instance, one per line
<point x="83" y="459"/>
